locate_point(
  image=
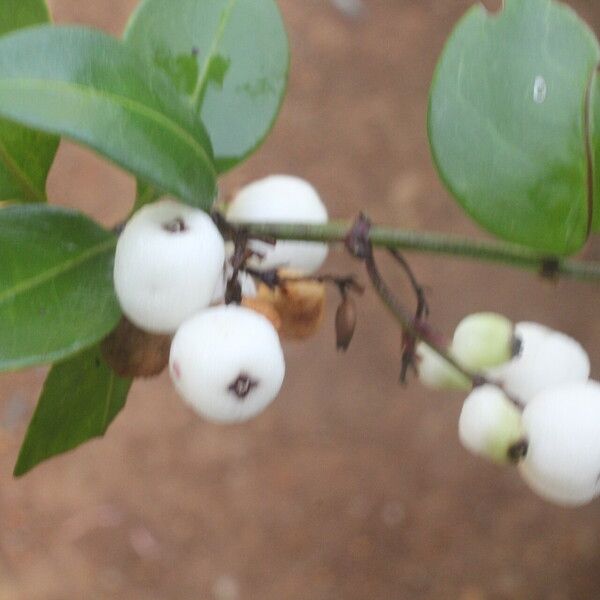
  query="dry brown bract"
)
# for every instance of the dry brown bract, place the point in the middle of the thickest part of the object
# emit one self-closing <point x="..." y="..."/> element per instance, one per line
<point x="300" y="304"/>
<point x="132" y="352"/>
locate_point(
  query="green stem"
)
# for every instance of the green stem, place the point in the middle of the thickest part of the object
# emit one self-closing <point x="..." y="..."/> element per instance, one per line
<point x="435" y="243"/>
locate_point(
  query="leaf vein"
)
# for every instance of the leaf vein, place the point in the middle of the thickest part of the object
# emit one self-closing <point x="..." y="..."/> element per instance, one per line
<point x="203" y="75"/>
<point x="30" y="190"/>
<point x="49" y="274"/>
<point x="135" y="106"/>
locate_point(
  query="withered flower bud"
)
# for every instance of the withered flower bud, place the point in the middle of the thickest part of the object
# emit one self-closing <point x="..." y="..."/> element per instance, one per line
<point x="345" y="323"/>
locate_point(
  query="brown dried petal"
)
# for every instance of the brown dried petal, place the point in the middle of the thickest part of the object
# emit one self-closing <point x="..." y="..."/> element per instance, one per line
<point x="265" y="308"/>
<point x="300" y="304"/>
<point x="132" y="352"/>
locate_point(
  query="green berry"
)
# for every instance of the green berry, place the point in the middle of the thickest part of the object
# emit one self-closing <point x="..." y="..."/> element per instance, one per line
<point x="483" y="340"/>
<point x="437" y="373"/>
<point x="490" y="424"/>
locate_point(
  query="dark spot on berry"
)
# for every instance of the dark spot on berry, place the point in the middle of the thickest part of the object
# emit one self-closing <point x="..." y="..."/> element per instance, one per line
<point x="175" y="226"/>
<point x="479" y="380"/>
<point x="242" y="386"/>
<point x="518" y="451"/>
<point x="516" y="346"/>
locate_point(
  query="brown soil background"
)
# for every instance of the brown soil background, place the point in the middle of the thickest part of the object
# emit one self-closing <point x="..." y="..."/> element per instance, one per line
<point x="350" y="487"/>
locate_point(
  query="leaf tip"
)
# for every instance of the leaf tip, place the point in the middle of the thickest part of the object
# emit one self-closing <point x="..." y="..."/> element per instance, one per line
<point x="22" y="467"/>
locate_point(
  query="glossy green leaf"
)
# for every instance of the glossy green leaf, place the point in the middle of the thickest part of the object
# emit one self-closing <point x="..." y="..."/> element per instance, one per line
<point x="228" y="57"/>
<point x="507" y="122"/>
<point x="56" y="289"/>
<point x="80" y="399"/>
<point x="25" y="156"/>
<point x="85" y="85"/>
<point x="594" y="140"/>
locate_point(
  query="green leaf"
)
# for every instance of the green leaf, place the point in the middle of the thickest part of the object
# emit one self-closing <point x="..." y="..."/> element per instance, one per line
<point x="228" y="57"/>
<point x="56" y="289"/>
<point x="25" y="156"/>
<point x="507" y="124"/>
<point x="17" y="14"/>
<point x="85" y="85"/>
<point x="145" y="194"/>
<point x="80" y="399"/>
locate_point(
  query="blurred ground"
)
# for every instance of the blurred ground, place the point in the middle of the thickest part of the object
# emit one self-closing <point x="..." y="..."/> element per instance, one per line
<point x="349" y="487"/>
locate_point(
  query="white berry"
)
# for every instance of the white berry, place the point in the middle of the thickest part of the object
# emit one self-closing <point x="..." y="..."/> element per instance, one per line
<point x="562" y="426"/>
<point x="167" y="263"/>
<point x="227" y="363"/>
<point x="546" y="359"/>
<point x="483" y="340"/>
<point x="282" y="198"/>
<point x="489" y="424"/>
<point x="435" y="372"/>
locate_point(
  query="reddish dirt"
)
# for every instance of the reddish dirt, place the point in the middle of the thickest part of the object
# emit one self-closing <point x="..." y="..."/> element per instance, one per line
<point x="350" y="487"/>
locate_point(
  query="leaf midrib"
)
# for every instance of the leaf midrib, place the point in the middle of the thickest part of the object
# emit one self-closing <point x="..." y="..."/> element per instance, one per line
<point x="200" y="84"/>
<point x="27" y="285"/>
<point x="29" y="189"/>
<point x="124" y="101"/>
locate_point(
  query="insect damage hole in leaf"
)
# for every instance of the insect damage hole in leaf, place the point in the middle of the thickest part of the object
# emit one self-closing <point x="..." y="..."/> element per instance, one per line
<point x="228" y="58"/>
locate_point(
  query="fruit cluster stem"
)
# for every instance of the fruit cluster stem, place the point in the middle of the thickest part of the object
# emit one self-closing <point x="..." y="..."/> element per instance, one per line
<point x="417" y="328"/>
<point x="360" y="238"/>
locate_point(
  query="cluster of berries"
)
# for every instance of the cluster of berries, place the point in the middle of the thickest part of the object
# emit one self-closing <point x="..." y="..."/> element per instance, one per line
<point x="539" y="408"/>
<point x="533" y="403"/>
<point x="171" y="271"/>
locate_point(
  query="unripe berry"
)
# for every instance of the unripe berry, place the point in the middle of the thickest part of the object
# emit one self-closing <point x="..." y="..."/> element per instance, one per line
<point x="546" y="359"/>
<point x="227" y="363"/>
<point x="489" y="424"/>
<point x="167" y="263"/>
<point x="562" y="426"/>
<point x="483" y="340"/>
<point x="437" y="373"/>
<point x="282" y="198"/>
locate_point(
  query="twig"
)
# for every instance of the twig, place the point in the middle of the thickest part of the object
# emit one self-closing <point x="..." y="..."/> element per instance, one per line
<point x="435" y="243"/>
